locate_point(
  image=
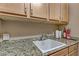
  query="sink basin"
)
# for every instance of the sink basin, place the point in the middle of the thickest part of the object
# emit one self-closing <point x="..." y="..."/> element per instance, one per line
<point x="48" y="45"/>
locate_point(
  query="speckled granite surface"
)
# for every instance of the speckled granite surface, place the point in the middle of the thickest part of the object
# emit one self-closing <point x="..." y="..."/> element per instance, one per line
<point x="25" y="47"/>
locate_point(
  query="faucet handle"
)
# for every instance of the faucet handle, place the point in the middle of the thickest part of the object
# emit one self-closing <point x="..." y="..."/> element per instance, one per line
<point x="45" y="36"/>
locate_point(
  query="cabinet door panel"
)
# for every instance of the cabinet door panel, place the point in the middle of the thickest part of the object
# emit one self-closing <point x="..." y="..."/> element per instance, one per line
<point x="78" y="49"/>
<point x="73" y="53"/>
<point x="39" y="10"/>
<point x="57" y="11"/>
<point x="72" y="48"/>
<point x="17" y="8"/>
<point x="64" y="12"/>
<point x="63" y="52"/>
<point x="52" y="11"/>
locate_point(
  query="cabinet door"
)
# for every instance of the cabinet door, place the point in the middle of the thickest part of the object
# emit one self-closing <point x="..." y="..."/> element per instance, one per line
<point x="64" y="12"/>
<point x="58" y="11"/>
<point x="17" y="8"/>
<point x="39" y="10"/>
<point x="62" y="52"/>
<point x="72" y="48"/>
<point x="78" y="49"/>
<point x="52" y="11"/>
<point x="73" y="53"/>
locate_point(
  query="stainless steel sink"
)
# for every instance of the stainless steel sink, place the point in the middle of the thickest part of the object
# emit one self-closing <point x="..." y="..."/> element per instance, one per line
<point x="48" y="45"/>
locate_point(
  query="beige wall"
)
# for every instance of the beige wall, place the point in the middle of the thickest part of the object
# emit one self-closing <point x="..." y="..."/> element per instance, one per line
<point x="74" y="19"/>
<point x="19" y="28"/>
<point x="0" y="27"/>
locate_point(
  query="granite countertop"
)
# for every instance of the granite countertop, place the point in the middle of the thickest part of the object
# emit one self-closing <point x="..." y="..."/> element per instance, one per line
<point x="68" y="42"/>
<point x="25" y="47"/>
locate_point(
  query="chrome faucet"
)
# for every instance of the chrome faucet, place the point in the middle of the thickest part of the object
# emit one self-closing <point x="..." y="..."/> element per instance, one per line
<point x="43" y="37"/>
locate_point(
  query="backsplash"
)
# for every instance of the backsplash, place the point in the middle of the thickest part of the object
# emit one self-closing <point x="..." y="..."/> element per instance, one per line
<point x="19" y="28"/>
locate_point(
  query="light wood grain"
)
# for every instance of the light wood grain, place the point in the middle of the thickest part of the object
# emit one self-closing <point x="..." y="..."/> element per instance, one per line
<point x="12" y="7"/>
<point x="61" y="52"/>
<point x="73" y="53"/>
<point x="64" y="12"/>
<point x="78" y="49"/>
<point x="39" y="10"/>
<point x="52" y="11"/>
<point x="72" y="48"/>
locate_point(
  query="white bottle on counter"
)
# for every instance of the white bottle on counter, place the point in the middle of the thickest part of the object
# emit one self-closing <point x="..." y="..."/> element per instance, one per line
<point x="57" y="34"/>
<point x="60" y="34"/>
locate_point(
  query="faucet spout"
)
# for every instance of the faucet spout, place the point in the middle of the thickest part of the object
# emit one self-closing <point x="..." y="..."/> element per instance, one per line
<point x="43" y="37"/>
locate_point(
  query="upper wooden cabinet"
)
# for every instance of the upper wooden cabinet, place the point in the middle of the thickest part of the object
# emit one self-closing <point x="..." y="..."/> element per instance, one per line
<point x="58" y="11"/>
<point x="15" y="8"/>
<point x="51" y="11"/>
<point x="44" y="11"/>
<point x="39" y="10"/>
<point x="64" y="12"/>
